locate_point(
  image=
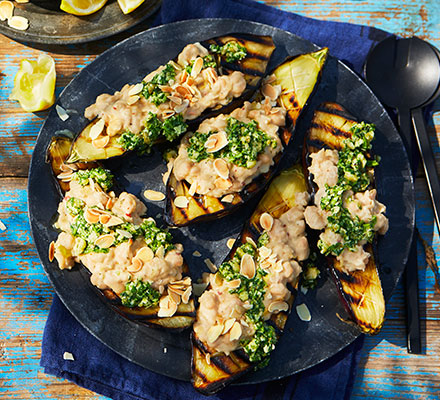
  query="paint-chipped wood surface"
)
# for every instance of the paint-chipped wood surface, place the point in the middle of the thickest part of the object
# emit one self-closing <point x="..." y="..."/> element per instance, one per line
<point x="386" y="370"/>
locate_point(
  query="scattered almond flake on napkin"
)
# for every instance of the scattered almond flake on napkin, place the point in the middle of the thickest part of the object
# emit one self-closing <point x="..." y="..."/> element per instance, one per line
<point x="68" y="356"/>
<point x="2" y="226"/>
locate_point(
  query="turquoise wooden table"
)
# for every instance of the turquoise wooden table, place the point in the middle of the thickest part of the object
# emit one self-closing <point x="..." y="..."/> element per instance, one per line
<point x="386" y="369"/>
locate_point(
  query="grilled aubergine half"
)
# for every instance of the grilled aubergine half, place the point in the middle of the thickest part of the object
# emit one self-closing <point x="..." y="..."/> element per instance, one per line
<point x="57" y="153"/>
<point x="296" y="79"/>
<point x="224" y="55"/>
<point x="361" y="290"/>
<point x="212" y="370"/>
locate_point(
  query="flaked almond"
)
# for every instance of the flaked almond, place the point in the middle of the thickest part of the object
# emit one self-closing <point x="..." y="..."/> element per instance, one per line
<point x="229" y="198"/>
<point x="2" y="226"/>
<point x="173" y="289"/>
<point x="110" y="203"/>
<point x="251" y="241"/>
<point x="210" y="265"/>
<point x="185" y="281"/>
<point x="96" y="129"/>
<point x="183" y="76"/>
<point x="278" y="266"/>
<point x="193" y="188"/>
<point x="174" y="297"/>
<point x="303" y="312"/>
<point x="236" y="331"/>
<point x="183" y="91"/>
<point x="222" y="184"/>
<point x="196" y="253"/>
<point x="228" y="325"/>
<point x="234" y="284"/>
<point x="160" y="252"/>
<point x="154" y="195"/>
<point x="91" y="216"/>
<point x="182" y="107"/>
<point x="247" y="266"/>
<point x="132" y="99"/>
<point x="199" y="288"/>
<point x="214" y="332"/>
<point x="166" y="88"/>
<point x="264" y="252"/>
<point x="266" y="221"/>
<point x="19" y="23"/>
<point x="267" y="106"/>
<point x="66" y="355"/>
<point x="61" y="113"/>
<point x="277" y="306"/>
<point x="135" y="266"/>
<point x="126" y="234"/>
<point x="230" y="243"/>
<point x="165" y="177"/>
<point x="175" y="99"/>
<point x="208" y="358"/>
<point x="145" y="254"/>
<point x="6" y="10"/>
<point x="105" y="241"/>
<point x="169" y="311"/>
<point x="270" y="91"/>
<point x="221" y="167"/>
<point x="136" y="89"/>
<point x="65" y="176"/>
<point x="181" y="202"/>
<point x="186" y="295"/>
<point x="210" y="143"/>
<point x="51" y="251"/>
<point x="104" y="218"/>
<point x="101" y="142"/>
<point x="197" y="67"/>
<point x="221" y="141"/>
<point x="68" y="167"/>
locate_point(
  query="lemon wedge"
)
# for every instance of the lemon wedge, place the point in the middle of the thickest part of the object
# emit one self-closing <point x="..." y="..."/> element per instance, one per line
<point x="127" y="6"/>
<point x="34" y="84"/>
<point x="81" y="7"/>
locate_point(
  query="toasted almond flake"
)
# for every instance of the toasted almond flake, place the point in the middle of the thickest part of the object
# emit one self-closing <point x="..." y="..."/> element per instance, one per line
<point x="105" y="241"/>
<point x="91" y="217"/>
<point x="109" y="204"/>
<point x="221" y="167"/>
<point x="174" y="297"/>
<point x="104" y="218"/>
<point x="247" y="266"/>
<point x="192" y="189"/>
<point x="208" y="358"/>
<point x="185" y="281"/>
<point x="165" y="177"/>
<point x="183" y="76"/>
<point x="230" y="243"/>
<point x="223" y="184"/>
<point x="221" y="141"/>
<point x="197" y="67"/>
<point x="101" y="142"/>
<point x="164" y="302"/>
<point x="267" y="106"/>
<point x="214" y="332"/>
<point x="175" y="290"/>
<point x="145" y="254"/>
<point x="270" y="91"/>
<point x="229" y="198"/>
<point x="136" y="89"/>
<point x="65" y="175"/>
<point x="234" y="284"/>
<point x="251" y="241"/>
<point x="51" y="251"/>
<point x="183" y="91"/>
<point x="154" y="195"/>
<point x="182" y="107"/>
<point x="66" y="354"/>
<point x="304" y="290"/>
<point x="235" y="331"/>
<point x="169" y="311"/>
<point x="160" y="252"/>
<point x="6" y="10"/>
<point x="96" y="129"/>
<point x="181" y="202"/>
<point x="61" y="113"/>
<point x="266" y="221"/>
<point x="165" y="88"/>
<point x="264" y="252"/>
<point x="303" y="312"/>
<point x="186" y="295"/>
<point x="210" y="265"/>
<point x="278" y="266"/>
<point x="210" y="143"/>
<point x="136" y="265"/>
<point x="197" y="253"/>
<point x="277" y="306"/>
<point x="228" y="325"/>
<point x="175" y="99"/>
<point x="19" y="23"/>
<point x="132" y="99"/>
<point x="199" y="288"/>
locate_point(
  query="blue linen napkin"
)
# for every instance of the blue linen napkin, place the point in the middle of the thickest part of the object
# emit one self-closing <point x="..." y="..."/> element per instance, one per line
<point x="98" y="368"/>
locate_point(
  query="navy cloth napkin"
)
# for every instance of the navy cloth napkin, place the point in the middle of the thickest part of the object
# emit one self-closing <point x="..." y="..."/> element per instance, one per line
<point x="98" y="368"/>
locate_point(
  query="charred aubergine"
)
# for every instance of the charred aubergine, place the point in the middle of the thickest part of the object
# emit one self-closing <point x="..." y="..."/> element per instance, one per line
<point x="340" y="169"/>
<point x="231" y="157"/>
<point x="132" y="261"/>
<point x="244" y="309"/>
<point x="204" y="79"/>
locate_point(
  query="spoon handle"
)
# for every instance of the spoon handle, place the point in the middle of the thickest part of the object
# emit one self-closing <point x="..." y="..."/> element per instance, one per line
<point x="428" y="161"/>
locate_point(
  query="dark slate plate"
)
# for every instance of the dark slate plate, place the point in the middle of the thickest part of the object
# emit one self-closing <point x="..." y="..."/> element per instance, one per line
<point x="49" y="25"/>
<point x="304" y="344"/>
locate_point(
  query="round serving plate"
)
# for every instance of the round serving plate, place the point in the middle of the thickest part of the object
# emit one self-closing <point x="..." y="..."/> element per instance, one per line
<point x="303" y="344"/>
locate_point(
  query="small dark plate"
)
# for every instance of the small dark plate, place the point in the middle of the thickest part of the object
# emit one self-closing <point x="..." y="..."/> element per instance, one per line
<point x="305" y="343"/>
<point x="49" y="25"/>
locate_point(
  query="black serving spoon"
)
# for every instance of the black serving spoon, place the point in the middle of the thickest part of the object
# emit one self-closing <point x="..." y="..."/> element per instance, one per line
<point x="405" y="74"/>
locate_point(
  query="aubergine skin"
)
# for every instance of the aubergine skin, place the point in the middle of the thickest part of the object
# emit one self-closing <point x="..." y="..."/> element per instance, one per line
<point x="210" y="377"/>
<point x="259" y="51"/>
<point x="206" y="208"/>
<point x="360" y="291"/>
<point x="56" y="155"/>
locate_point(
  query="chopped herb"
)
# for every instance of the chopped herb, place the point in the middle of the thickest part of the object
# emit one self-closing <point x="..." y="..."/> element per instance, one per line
<point x="208" y="62"/>
<point x="133" y="142"/>
<point x="259" y="347"/>
<point x="74" y="206"/>
<point x="310" y="273"/>
<point x="232" y="51"/>
<point x="263" y="240"/>
<point x="103" y="177"/>
<point x="151" y="90"/>
<point x="245" y="143"/>
<point x="354" y="168"/>
<point x="139" y="294"/>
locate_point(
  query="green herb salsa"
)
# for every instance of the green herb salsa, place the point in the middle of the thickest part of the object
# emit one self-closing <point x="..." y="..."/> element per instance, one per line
<point x="245" y="143"/>
<point x="139" y="294"/>
<point x="354" y="173"/>
<point x="208" y="62"/>
<point x="231" y="51"/>
<point x="151" y="90"/>
<point x="259" y="347"/>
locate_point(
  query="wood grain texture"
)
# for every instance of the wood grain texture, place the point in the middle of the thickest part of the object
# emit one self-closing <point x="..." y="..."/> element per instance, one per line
<point x="386" y="370"/>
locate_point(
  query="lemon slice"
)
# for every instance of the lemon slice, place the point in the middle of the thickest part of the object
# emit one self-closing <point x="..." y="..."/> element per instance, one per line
<point x="34" y="84"/>
<point x="81" y="7"/>
<point x="127" y="6"/>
